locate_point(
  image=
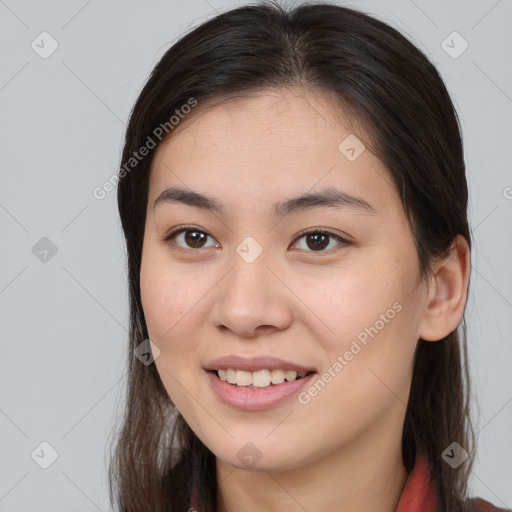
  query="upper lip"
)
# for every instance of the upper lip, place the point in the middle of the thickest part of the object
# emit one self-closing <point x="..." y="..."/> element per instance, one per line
<point x="253" y="364"/>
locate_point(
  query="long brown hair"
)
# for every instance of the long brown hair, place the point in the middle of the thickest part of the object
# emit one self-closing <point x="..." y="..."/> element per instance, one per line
<point x="397" y="98"/>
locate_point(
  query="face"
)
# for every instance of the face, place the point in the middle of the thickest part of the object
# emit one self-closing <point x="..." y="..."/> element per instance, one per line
<point x="246" y="283"/>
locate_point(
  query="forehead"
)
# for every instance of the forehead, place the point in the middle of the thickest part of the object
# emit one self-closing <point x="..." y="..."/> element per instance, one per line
<point x="287" y="119"/>
<point x="266" y="142"/>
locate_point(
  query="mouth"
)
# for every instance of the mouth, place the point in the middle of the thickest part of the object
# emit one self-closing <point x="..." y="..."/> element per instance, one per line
<point x="258" y="391"/>
<point x="260" y="379"/>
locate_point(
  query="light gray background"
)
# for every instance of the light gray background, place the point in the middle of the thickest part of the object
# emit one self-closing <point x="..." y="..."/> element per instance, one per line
<point x="64" y="321"/>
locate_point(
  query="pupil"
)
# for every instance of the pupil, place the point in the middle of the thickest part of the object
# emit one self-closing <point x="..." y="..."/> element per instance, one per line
<point x="317" y="241"/>
<point x="194" y="242"/>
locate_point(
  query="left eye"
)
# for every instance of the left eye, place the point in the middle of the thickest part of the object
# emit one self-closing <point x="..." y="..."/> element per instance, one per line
<point x="318" y="240"/>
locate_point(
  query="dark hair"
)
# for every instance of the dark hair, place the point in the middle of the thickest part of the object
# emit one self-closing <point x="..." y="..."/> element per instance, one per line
<point x="397" y="101"/>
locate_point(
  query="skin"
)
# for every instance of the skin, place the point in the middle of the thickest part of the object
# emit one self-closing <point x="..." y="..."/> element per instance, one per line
<point x="342" y="450"/>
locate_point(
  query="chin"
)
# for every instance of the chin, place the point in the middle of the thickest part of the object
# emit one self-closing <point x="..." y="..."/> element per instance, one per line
<point x="256" y="456"/>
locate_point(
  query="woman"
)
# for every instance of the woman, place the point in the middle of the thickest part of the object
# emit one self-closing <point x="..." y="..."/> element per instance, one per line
<point x="294" y="202"/>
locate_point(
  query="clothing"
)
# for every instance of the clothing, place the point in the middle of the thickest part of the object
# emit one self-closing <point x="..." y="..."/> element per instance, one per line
<point x="420" y="495"/>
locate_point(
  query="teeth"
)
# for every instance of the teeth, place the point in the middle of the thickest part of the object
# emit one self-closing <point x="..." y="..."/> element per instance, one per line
<point x="231" y="376"/>
<point x="260" y="378"/>
<point x="277" y="376"/>
<point x="291" y="375"/>
<point x="243" y="378"/>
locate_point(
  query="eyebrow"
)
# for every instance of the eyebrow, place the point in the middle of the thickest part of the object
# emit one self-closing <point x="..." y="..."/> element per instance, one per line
<point x="327" y="198"/>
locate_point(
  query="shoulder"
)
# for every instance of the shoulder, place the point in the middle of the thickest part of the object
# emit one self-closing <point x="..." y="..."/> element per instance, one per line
<point x="480" y="505"/>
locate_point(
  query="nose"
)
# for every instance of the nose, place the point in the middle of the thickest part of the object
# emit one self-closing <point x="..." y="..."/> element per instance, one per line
<point x="251" y="300"/>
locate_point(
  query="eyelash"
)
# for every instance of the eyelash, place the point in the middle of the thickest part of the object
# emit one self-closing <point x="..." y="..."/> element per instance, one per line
<point x="169" y="238"/>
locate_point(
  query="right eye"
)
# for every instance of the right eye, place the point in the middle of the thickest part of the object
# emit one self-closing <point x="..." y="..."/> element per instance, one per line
<point x="190" y="237"/>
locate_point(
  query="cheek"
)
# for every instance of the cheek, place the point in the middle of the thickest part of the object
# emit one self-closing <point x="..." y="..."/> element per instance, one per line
<point x="357" y="297"/>
<point x="166" y="296"/>
<point x="372" y="311"/>
<point x="168" y="304"/>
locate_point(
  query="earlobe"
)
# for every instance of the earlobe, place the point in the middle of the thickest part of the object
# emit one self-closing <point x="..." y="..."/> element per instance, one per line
<point x="447" y="295"/>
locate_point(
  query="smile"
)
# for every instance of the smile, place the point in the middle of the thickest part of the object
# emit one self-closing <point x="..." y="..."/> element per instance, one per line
<point x="251" y="397"/>
<point x="259" y="379"/>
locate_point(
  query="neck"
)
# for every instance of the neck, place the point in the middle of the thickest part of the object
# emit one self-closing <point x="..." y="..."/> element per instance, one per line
<point x="364" y="475"/>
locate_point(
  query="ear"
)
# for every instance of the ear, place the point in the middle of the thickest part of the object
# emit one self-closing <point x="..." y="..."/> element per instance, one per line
<point x="447" y="293"/>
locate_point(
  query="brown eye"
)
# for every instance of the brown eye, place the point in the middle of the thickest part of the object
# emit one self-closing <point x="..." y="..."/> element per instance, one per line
<point x="195" y="239"/>
<point x="188" y="238"/>
<point x="317" y="240"/>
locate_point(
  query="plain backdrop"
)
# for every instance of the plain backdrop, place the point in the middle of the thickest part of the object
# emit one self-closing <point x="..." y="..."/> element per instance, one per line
<point x="63" y="299"/>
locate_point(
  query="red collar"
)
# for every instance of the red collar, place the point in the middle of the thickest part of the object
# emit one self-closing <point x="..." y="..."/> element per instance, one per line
<point x="419" y="494"/>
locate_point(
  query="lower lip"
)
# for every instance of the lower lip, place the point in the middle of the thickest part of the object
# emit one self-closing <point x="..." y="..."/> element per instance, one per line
<point x="255" y="399"/>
